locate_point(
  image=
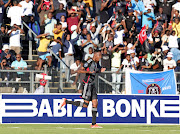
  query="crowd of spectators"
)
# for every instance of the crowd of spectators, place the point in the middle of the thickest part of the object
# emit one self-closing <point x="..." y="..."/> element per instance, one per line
<point x="74" y="29"/>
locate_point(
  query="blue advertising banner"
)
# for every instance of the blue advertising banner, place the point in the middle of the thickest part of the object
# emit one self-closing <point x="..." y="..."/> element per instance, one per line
<point x="152" y="82"/>
<point x="31" y="108"/>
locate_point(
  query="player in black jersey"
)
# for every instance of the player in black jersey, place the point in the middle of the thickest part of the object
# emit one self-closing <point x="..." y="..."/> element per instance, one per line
<point x="91" y="67"/>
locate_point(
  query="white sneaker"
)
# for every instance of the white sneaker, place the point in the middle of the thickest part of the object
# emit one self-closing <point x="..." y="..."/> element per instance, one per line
<point x="113" y="92"/>
<point x="25" y="91"/>
<point x="13" y="90"/>
<point x="117" y="92"/>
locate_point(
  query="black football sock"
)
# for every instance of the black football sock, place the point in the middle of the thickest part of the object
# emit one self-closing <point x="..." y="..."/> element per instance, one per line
<point x="75" y="103"/>
<point x="94" y="114"/>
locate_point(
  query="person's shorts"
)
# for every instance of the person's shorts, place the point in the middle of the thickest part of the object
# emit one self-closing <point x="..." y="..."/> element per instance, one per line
<point x="43" y="56"/>
<point x="89" y="91"/>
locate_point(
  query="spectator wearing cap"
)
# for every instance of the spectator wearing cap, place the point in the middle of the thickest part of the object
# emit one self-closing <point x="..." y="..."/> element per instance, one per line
<point x="58" y="13"/>
<point x="4" y="36"/>
<point x="7" y="54"/>
<point x="134" y="58"/>
<point x="50" y="24"/>
<point x="161" y="20"/>
<point x="164" y="52"/>
<point x="148" y="18"/>
<point x="145" y="65"/>
<point x="73" y="19"/>
<point x="43" y="12"/>
<point x="14" y="41"/>
<point x="169" y="63"/>
<point x="15" y="13"/>
<point x="130" y="19"/>
<point x="91" y="27"/>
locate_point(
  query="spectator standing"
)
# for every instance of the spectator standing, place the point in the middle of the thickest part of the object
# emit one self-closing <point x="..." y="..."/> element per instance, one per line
<point x="148" y="18"/>
<point x="15" y="13"/>
<point x="60" y="12"/>
<point x="44" y="13"/>
<point x="4" y="36"/>
<point x="176" y="28"/>
<point x="27" y="7"/>
<point x="115" y="64"/>
<point x="161" y="19"/>
<point x="2" y="10"/>
<point x="14" y="40"/>
<point x="73" y="19"/>
<point x="69" y="51"/>
<point x="42" y="49"/>
<point x="50" y="24"/>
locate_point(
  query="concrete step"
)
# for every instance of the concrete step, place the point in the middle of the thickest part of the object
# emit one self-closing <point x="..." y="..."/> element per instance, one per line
<point x="31" y="62"/>
<point x="35" y="57"/>
<point x="9" y="90"/>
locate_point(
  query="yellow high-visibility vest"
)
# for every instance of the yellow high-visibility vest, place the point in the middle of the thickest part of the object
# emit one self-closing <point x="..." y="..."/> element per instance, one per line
<point x="90" y="2"/>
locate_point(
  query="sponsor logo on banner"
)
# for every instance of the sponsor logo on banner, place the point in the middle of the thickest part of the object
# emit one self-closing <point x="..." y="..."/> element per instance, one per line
<point x="111" y="109"/>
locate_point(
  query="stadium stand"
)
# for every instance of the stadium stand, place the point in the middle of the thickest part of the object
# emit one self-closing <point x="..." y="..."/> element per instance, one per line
<point x="58" y="36"/>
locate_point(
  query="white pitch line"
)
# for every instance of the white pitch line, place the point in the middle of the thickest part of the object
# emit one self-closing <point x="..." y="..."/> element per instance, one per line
<point x="13" y="127"/>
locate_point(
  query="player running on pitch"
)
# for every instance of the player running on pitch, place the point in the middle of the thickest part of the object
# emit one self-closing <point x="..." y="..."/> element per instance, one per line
<point x="91" y="67"/>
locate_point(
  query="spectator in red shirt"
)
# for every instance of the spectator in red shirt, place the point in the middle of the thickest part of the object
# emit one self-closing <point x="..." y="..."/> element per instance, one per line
<point x="73" y="19"/>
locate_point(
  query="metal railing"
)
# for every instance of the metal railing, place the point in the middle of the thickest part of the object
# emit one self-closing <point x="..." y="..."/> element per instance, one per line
<point x="28" y="79"/>
<point x="103" y="81"/>
<point x="52" y="54"/>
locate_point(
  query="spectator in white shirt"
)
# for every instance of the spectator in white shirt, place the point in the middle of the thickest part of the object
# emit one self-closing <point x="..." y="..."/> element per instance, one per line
<point x="15" y="13"/>
<point x="176" y="6"/>
<point x="27" y="7"/>
<point x="169" y="63"/>
<point x="50" y="24"/>
<point x="63" y="22"/>
<point x="173" y="43"/>
<point x="121" y="30"/>
<point x="74" y="68"/>
<point x="15" y="38"/>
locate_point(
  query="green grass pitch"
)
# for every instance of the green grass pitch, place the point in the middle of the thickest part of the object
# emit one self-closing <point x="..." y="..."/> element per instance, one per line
<point x="85" y="129"/>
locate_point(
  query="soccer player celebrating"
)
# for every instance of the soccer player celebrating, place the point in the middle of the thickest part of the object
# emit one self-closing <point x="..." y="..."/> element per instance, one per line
<point x="91" y="67"/>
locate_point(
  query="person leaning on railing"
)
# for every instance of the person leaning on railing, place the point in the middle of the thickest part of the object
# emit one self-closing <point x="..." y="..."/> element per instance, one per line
<point x="19" y="64"/>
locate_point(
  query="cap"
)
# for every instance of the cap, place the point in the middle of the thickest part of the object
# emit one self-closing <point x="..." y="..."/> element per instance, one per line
<point x="164" y="48"/>
<point x="148" y="7"/>
<point x="170" y="54"/>
<point x="130" y="45"/>
<point x="5" y="46"/>
<point x="73" y="28"/>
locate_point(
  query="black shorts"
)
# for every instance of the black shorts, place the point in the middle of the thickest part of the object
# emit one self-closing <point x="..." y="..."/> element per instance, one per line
<point x="89" y="91"/>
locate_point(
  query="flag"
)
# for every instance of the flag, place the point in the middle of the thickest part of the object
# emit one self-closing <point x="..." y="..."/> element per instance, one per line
<point x="142" y="35"/>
